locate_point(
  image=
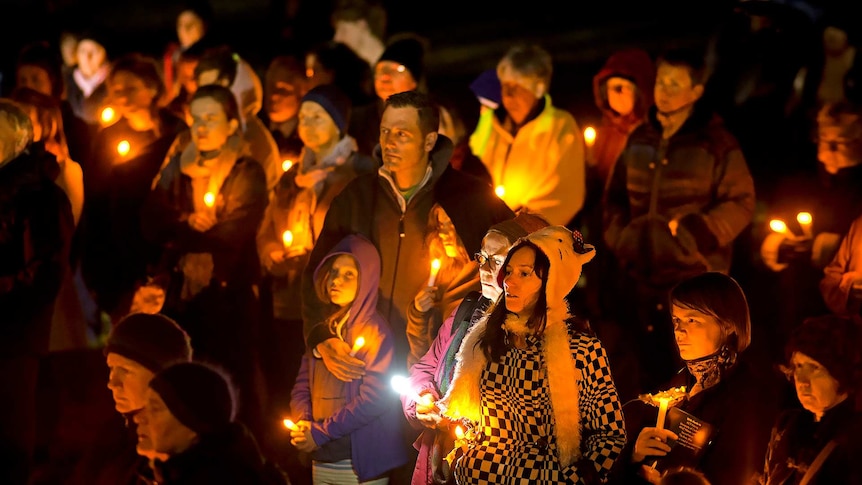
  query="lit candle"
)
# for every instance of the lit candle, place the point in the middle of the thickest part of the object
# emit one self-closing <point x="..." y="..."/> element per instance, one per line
<point x="290" y="425"/>
<point x="401" y="385"/>
<point x="108" y="114"/>
<point x="500" y="191"/>
<point x="435" y="268"/>
<point x="357" y="345"/>
<point x="777" y="225"/>
<point x="287" y="239"/>
<point x="123" y="148"/>
<point x="285" y="165"/>
<point x="209" y="199"/>
<point x="662" y="412"/>
<point x="804" y="219"/>
<point x="590" y="136"/>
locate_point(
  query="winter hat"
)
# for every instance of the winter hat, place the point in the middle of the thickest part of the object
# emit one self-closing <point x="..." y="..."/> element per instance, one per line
<point x="567" y="253"/>
<point x="154" y="341"/>
<point x="487" y="88"/>
<point x="334" y="101"/>
<point x="408" y="52"/>
<point x="834" y="342"/>
<point x="520" y="226"/>
<point x="199" y="395"/>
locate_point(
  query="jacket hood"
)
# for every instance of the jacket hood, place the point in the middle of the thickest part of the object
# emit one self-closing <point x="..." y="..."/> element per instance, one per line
<point x="367" y="258"/>
<point x="635" y="65"/>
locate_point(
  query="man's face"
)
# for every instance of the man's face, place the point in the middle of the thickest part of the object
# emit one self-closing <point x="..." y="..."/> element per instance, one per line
<point x="401" y="142"/>
<point x="91" y="56"/>
<point x="284" y="94"/>
<point x="392" y="78"/>
<point x="190" y="28"/>
<point x="128" y="382"/>
<point x="674" y="89"/>
<point x="159" y="430"/>
<point x="210" y="126"/>
<point x="839" y="147"/>
<point x="35" y="78"/>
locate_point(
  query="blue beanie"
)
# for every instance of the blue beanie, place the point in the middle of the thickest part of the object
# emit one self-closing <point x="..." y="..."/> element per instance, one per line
<point x="334" y="101"/>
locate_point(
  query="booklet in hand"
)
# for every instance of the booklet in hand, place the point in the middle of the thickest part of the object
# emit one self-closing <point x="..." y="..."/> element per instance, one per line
<point x="694" y="435"/>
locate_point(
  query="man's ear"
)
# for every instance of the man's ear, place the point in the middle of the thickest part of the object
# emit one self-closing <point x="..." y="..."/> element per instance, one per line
<point x="540" y="90"/>
<point x="697" y="90"/>
<point x="234" y="126"/>
<point x="430" y="141"/>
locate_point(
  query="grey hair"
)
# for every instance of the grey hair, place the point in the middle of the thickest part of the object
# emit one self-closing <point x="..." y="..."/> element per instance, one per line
<point x="19" y="120"/>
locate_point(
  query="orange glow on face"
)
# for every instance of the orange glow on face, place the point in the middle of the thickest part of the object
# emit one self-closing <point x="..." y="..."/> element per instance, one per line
<point x="123" y="148"/>
<point x="589" y="135"/>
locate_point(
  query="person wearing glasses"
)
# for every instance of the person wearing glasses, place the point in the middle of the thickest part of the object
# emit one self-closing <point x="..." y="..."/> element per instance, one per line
<point x="433" y="373"/>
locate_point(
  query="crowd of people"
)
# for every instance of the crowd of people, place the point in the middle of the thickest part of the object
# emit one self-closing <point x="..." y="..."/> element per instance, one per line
<point x="328" y="271"/>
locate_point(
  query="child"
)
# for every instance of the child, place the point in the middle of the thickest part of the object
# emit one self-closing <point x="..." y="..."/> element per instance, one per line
<point x="351" y="429"/>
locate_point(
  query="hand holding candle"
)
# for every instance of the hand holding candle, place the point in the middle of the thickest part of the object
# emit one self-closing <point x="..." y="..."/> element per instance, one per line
<point x="435" y="268"/>
<point x="289" y="424"/>
<point x="360" y="342"/>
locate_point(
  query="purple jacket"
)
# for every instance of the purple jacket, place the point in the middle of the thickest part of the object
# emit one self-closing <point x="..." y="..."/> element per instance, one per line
<point x="370" y="416"/>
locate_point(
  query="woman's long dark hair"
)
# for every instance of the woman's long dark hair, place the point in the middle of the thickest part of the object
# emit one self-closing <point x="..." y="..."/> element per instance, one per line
<point x="493" y="340"/>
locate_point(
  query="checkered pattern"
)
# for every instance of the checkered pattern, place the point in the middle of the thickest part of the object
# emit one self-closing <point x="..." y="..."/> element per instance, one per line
<point x="517" y="419"/>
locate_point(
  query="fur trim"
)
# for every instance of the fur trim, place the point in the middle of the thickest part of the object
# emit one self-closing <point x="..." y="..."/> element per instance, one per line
<point x="464" y="397"/>
<point x="563" y="383"/>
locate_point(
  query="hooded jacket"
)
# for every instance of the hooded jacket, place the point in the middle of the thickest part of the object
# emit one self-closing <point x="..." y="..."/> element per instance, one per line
<point x="611" y="135"/>
<point x="371" y="206"/>
<point x="370" y="415"/>
<point x="587" y="421"/>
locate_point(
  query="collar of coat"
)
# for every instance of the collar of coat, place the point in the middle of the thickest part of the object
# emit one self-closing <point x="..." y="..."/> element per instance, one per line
<point x="464" y="397"/>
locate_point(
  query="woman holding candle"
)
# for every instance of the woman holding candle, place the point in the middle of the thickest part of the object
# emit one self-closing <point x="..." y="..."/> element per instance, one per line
<point x="739" y="402"/>
<point x="432" y="375"/>
<point x="351" y="429"/>
<point x="823" y="362"/>
<point x="534" y="378"/>
<point x="125" y="158"/>
<point x="292" y="221"/>
<point x="208" y="261"/>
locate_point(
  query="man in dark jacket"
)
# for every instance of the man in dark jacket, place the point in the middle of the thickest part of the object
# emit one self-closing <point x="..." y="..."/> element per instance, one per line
<point x="391" y="209"/>
<point x="680" y="194"/>
<point x="36" y="227"/>
<point x="138" y="347"/>
<point x="189" y="420"/>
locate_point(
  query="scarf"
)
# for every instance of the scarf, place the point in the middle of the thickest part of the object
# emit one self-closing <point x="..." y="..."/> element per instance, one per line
<point x="89" y="85"/>
<point x="707" y="371"/>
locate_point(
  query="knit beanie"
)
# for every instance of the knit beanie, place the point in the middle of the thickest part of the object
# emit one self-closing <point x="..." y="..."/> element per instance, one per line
<point x="487" y="88"/>
<point x="154" y="341"/>
<point x="835" y="342"/>
<point x="522" y="225"/>
<point x="199" y="395"/>
<point x="408" y="52"/>
<point x="334" y="101"/>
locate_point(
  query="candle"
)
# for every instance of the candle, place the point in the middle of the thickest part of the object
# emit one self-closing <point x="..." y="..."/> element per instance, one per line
<point x="287" y="239"/>
<point x="435" y="268"/>
<point x="290" y="425"/>
<point x="500" y="191"/>
<point x="589" y="136"/>
<point x="209" y="199"/>
<point x="777" y="225"/>
<point x="459" y="432"/>
<point x="804" y="219"/>
<point x="357" y="345"/>
<point x="401" y="385"/>
<point x="662" y="412"/>
<point x="285" y="165"/>
<point x="123" y="148"/>
<point x="108" y="114"/>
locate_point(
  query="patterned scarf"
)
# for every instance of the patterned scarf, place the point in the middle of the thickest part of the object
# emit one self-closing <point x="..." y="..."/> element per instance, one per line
<point x="707" y="371"/>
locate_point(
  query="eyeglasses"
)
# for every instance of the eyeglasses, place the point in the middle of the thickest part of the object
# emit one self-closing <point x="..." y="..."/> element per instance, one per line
<point x="483" y="258"/>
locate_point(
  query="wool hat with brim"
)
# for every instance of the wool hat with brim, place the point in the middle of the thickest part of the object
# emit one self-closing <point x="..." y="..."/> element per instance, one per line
<point x="334" y="101"/>
<point x="154" y="341"/>
<point x="199" y="395"/>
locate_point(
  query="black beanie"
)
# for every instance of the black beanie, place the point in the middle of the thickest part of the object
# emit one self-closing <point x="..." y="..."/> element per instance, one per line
<point x="334" y="101"/>
<point x="154" y="341"/>
<point x="410" y="53"/>
<point x="199" y="395"/>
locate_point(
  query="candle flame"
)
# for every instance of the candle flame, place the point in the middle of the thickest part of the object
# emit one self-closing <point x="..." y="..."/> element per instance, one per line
<point x="804" y="218"/>
<point x="360" y="342"/>
<point x="123" y="148"/>
<point x="290" y="425"/>
<point x="209" y="199"/>
<point x="108" y="114"/>
<point x="287" y="238"/>
<point x="778" y="226"/>
<point x="500" y="191"/>
<point x="285" y="165"/>
<point x="435" y="265"/>
<point x="590" y="135"/>
<point x="459" y="432"/>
